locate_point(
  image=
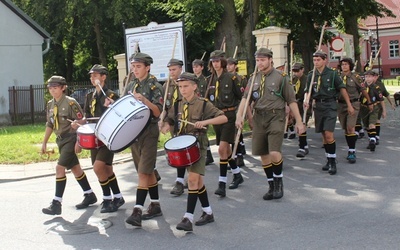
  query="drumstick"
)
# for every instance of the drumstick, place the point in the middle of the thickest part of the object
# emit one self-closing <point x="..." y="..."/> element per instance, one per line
<point x="71" y="121"/>
<point x="191" y="123"/>
<point x="92" y="118"/>
<point x="98" y="84"/>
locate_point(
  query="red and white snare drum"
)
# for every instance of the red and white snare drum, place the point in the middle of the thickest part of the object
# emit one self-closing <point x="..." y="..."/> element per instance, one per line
<point x="86" y="137"/>
<point x="182" y="151"/>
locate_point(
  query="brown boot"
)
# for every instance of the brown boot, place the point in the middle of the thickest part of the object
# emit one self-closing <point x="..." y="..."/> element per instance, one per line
<point x="136" y="218"/>
<point x="185" y="225"/>
<point x="152" y="211"/>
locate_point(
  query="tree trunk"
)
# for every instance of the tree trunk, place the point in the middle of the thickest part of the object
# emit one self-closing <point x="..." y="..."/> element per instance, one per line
<point x="351" y="27"/>
<point x="100" y="47"/>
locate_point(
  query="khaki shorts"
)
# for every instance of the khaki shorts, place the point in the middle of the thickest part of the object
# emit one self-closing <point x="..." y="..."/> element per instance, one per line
<point x="369" y="117"/>
<point x="226" y="132"/>
<point x="268" y="131"/>
<point x="144" y="149"/>
<point x="102" y="154"/>
<point x="199" y="167"/>
<point x="66" y="147"/>
<point x="325" y="116"/>
<point x="345" y="119"/>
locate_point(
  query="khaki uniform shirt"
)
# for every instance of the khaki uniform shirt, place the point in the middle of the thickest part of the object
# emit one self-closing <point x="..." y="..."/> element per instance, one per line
<point x="228" y="94"/>
<point x="277" y="91"/>
<point x="353" y="83"/>
<point x="149" y="88"/>
<point x="67" y="108"/>
<point x="329" y="84"/>
<point x="299" y="85"/>
<point x="199" y="109"/>
<point x="202" y="86"/>
<point x="94" y="102"/>
<point x="173" y="93"/>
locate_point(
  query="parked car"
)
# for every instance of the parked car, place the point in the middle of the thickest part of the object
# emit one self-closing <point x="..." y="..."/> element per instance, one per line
<point x="79" y="95"/>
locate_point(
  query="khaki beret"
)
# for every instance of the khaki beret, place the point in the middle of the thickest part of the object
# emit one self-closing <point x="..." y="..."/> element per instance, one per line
<point x="141" y="58"/>
<point x="263" y="52"/>
<point x="320" y="54"/>
<point x="185" y="76"/>
<point x="55" y="81"/>
<point x="198" y="62"/>
<point x="297" y="66"/>
<point x="371" y="72"/>
<point x="98" y="69"/>
<point x="174" y="62"/>
<point x="231" y="60"/>
<point x="217" y="55"/>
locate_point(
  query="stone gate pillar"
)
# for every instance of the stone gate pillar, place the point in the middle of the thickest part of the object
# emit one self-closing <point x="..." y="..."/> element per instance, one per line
<point x="276" y="39"/>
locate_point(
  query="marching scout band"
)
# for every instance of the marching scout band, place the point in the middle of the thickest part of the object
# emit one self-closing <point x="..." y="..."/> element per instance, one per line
<point x="192" y="103"/>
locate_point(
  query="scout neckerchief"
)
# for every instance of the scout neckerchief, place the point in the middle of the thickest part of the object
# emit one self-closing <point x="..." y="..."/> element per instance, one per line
<point x="319" y="83"/>
<point x="262" y="86"/>
<point x="216" y="89"/>
<point x="185" y="115"/>
<point x="344" y="79"/>
<point x="175" y="95"/>
<point x="297" y="86"/>
<point x="93" y="107"/>
<point x="55" y="116"/>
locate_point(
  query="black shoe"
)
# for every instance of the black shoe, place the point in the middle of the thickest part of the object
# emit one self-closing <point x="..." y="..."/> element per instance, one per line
<point x="285" y="136"/>
<point x="292" y="136"/>
<point x="278" y="188"/>
<point x="177" y="190"/>
<point x="108" y="207"/>
<point x="136" y="218"/>
<point x="204" y="219"/>
<point x="269" y="195"/>
<point x="361" y="135"/>
<point x="221" y="190"/>
<point x="371" y="145"/>
<point x="240" y="161"/>
<point x="332" y="166"/>
<point x="209" y="158"/>
<point x="185" y="225"/>
<point x="237" y="179"/>
<point x="53" y="209"/>
<point x="301" y="153"/>
<point x="377" y="141"/>
<point x="158" y="177"/>
<point x="118" y="202"/>
<point x="88" y="200"/>
<point x="326" y="166"/>
<point x="351" y="157"/>
<point x="152" y="211"/>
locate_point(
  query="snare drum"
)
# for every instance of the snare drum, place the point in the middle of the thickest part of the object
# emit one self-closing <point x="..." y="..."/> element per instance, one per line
<point x="182" y="151"/>
<point x="86" y="137"/>
<point x="122" y="123"/>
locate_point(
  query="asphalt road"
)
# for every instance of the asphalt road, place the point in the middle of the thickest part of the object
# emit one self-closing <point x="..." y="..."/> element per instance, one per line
<point x="358" y="208"/>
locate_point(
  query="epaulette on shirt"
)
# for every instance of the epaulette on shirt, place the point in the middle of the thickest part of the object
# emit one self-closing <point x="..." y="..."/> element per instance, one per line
<point x="234" y="77"/>
<point x="75" y="108"/>
<point x="283" y="74"/>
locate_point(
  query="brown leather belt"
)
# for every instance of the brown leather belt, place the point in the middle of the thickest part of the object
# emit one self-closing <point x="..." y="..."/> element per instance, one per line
<point x="351" y="100"/>
<point x="228" y="109"/>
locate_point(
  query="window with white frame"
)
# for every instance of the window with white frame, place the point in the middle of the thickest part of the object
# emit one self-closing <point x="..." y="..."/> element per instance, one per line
<point x="374" y="49"/>
<point x="394" y="48"/>
<point x="395" y="71"/>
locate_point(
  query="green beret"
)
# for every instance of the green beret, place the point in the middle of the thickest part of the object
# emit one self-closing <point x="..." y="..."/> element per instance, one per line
<point x="55" y="81"/>
<point x="371" y="72"/>
<point x="320" y="54"/>
<point x="174" y="62"/>
<point x="142" y="58"/>
<point x="263" y="52"/>
<point x="298" y="66"/>
<point x="99" y="69"/>
<point x="231" y="60"/>
<point x="198" y="62"/>
<point x="185" y="76"/>
<point x="217" y="55"/>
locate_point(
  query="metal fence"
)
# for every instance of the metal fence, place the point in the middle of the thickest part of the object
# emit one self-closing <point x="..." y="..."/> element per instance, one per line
<point x="28" y="103"/>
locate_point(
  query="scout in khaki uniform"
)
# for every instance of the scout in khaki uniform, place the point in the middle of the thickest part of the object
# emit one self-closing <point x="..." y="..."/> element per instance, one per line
<point x="198" y="67"/>
<point x="224" y="92"/>
<point x="232" y="67"/>
<point x="348" y="122"/>
<point x="200" y="113"/>
<point x="376" y="102"/>
<point x="271" y="92"/>
<point x="299" y="84"/>
<point x="325" y="89"/>
<point x="146" y="89"/>
<point x="59" y="109"/>
<point x="173" y="95"/>
<point x="386" y="94"/>
<point x="102" y="158"/>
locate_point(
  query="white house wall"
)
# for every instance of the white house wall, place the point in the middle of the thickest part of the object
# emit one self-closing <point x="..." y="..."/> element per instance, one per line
<point x="21" y="57"/>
